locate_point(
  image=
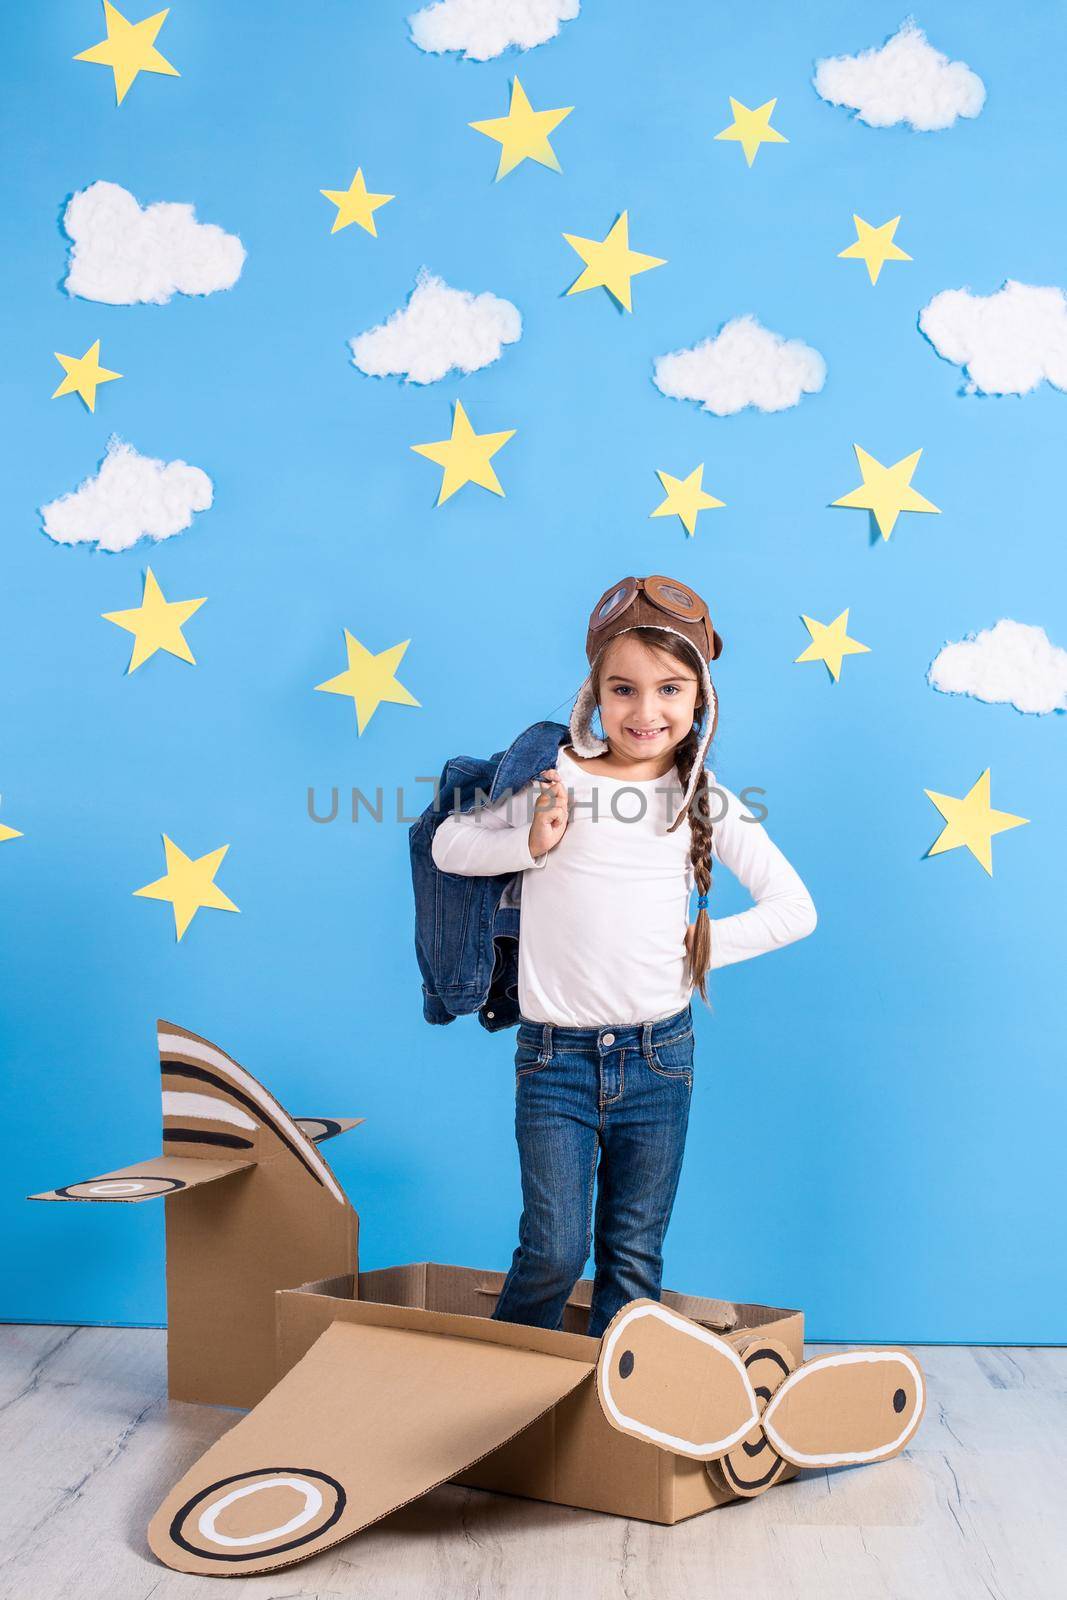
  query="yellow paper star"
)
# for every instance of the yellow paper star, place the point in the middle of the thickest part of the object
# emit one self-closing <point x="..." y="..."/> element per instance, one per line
<point x="523" y="133"/>
<point x="129" y="49"/>
<point x="7" y="833"/>
<point x="369" y="679"/>
<point x="156" y="624"/>
<point x="356" y="204"/>
<point x="610" y="263"/>
<point x="971" y="822"/>
<point x="465" y="456"/>
<point x="189" y="884"/>
<point x="886" y="491"/>
<point x="752" y="128"/>
<point x="874" y="246"/>
<point x="830" y="643"/>
<point x="84" y="374"/>
<point x="685" y="498"/>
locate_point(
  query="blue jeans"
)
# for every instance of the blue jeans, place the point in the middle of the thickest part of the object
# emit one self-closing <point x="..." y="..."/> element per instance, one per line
<point x="621" y="1094"/>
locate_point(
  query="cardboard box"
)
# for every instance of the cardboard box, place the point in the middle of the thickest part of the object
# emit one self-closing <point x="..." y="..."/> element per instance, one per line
<point x="570" y="1455"/>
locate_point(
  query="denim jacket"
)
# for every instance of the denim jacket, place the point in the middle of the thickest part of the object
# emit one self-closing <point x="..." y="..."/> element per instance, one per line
<point x="467" y="928"/>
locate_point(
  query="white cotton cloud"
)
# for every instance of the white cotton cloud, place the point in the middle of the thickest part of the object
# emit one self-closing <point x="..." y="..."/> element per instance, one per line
<point x="744" y="365"/>
<point x="1009" y="664"/>
<point x="1013" y="664"/>
<point x="1006" y="342"/>
<point x="482" y="29"/>
<point x="124" y="253"/>
<point x="440" y="330"/>
<point x="906" y="80"/>
<point x="132" y="497"/>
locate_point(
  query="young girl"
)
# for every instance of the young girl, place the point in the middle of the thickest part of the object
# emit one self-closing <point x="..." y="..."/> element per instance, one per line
<point x="623" y="829"/>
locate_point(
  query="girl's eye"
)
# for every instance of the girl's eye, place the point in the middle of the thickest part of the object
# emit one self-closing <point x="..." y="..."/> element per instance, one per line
<point x="671" y="688"/>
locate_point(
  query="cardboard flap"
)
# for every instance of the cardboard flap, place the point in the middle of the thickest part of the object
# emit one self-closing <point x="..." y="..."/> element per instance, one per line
<point x="370" y="1419"/>
<point x="718" y="1314"/>
<point x="147" y="1180"/>
<point x="319" y="1129"/>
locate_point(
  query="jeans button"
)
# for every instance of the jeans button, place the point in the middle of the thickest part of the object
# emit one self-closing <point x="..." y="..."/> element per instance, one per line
<point x="609" y="1038"/>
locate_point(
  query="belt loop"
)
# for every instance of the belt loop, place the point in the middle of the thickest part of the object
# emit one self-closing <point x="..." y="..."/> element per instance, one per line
<point x="646" y="1038"/>
<point x="546" y="1040"/>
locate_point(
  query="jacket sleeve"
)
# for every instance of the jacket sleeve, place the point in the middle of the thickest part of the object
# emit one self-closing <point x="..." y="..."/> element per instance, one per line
<point x="784" y="910"/>
<point x="489" y="840"/>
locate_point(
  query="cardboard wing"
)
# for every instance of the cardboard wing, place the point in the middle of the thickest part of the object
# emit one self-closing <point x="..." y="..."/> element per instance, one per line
<point x="321" y="1128"/>
<point x="371" y="1418"/>
<point x="282" y="1220"/>
<point x="146" y="1180"/>
<point x="664" y="1378"/>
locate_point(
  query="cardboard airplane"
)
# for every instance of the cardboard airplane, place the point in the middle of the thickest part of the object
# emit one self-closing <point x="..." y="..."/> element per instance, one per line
<point x="385" y="1384"/>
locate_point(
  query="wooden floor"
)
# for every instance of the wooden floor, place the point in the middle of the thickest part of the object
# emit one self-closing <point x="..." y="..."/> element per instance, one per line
<point x="977" y="1507"/>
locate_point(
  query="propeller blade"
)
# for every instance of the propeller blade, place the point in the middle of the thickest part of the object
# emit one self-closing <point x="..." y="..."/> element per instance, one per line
<point x="666" y="1379"/>
<point x="844" y="1409"/>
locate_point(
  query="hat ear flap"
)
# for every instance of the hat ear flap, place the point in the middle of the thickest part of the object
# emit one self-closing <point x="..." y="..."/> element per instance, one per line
<point x="712" y="713"/>
<point x="583" y="740"/>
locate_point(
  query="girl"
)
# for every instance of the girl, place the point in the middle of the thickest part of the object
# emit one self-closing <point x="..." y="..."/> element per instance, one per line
<point x="623" y="829"/>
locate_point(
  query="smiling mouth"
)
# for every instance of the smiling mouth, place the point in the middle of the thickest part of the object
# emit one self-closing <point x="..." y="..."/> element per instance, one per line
<point x="645" y="733"/>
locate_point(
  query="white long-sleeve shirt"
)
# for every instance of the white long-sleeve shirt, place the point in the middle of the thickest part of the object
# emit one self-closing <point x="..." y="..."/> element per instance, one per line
<point x="604" y="912"/>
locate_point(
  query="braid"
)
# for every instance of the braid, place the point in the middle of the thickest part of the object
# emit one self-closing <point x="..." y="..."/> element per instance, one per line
<point x="700" y="828"/>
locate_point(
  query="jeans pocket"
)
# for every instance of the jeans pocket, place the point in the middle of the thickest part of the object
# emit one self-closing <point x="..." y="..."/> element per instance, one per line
<point x="673" y="1058"/>
<point x="529" y="1058"/>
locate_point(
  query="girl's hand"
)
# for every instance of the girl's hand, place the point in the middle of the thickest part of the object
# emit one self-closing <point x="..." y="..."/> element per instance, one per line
<point x="552" y="813"/>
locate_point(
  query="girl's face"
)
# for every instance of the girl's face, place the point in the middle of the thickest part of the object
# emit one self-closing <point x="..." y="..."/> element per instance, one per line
<point x="647" y="699"/>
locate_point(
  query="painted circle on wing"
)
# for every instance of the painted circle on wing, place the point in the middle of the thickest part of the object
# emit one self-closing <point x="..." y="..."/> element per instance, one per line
<point x="754" y="1465"/>
<point x="317" y="1127"/>
<point x="129" y="1188"/>
<point x="255" y="1514"/>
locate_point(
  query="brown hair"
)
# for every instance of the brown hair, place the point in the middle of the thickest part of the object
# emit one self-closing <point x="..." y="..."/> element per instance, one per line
<point x="700" y="824"/>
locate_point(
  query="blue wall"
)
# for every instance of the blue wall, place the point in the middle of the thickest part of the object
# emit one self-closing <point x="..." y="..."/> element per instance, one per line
<point x="877" y="1122"/>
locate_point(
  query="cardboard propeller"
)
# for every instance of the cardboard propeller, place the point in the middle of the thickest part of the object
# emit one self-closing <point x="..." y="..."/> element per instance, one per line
<point x="280" y="1216"/>
<point x="666" y="1379"/>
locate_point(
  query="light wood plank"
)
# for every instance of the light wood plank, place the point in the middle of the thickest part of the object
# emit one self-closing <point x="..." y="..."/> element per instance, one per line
<point x="972" y="1511"/>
